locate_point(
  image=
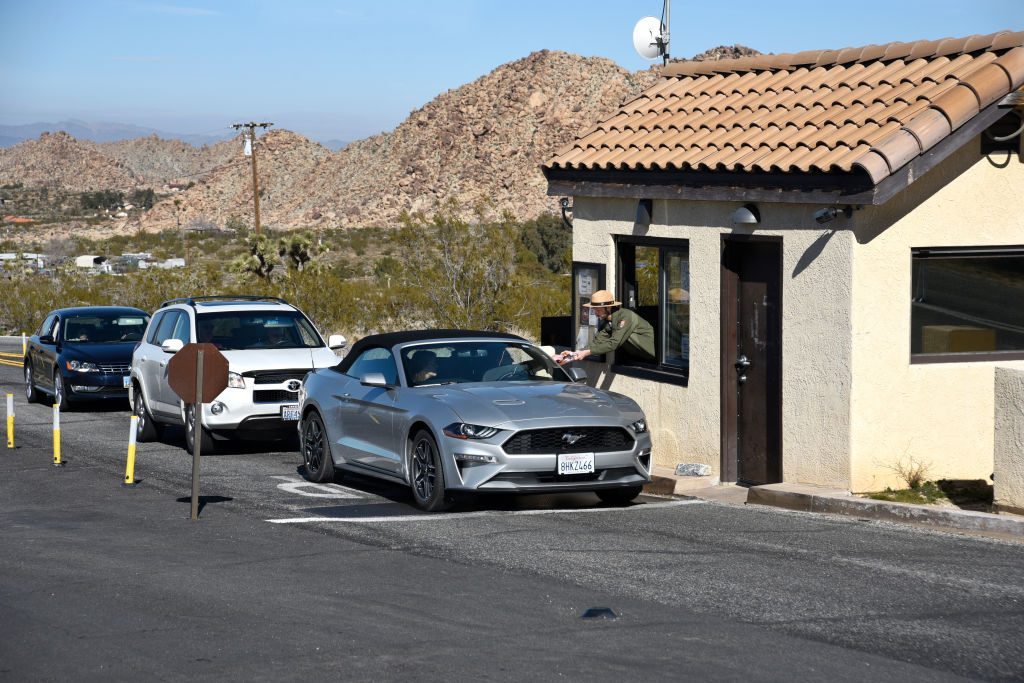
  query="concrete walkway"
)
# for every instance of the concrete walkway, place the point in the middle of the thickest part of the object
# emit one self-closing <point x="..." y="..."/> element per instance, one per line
<point x="807" y="498"/>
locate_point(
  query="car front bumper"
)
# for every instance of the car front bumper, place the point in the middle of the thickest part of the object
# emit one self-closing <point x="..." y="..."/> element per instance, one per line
<point x="250" y="413"/>
<point x="92" y="386"/>
<point x="486" y="467"/>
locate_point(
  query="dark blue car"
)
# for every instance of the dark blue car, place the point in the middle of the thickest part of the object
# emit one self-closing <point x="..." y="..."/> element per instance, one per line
<point x="83" y="354"/>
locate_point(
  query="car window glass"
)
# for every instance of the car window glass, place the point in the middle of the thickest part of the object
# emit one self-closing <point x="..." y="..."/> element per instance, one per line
<point x="478" y="361"/>
<point x="153" y="326"/>
<point x="375" y="360"/>
<point x="183" y="328"/>
<point x="166" y="329"/>
<point x="258" y="329"/>
<point x="47" y="325"/>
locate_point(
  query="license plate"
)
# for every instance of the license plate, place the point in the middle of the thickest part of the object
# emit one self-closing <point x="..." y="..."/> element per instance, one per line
<point x="574" y="463"/>
<point x="126" y="381"/>
<point x="290" y="413"/>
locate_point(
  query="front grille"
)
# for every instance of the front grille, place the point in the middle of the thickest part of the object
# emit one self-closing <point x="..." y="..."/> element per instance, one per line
<point x="275" y="376"/>
<point x="118" y="369"/>
<point x="275" y="396"/>
<point x="594" y="440"/>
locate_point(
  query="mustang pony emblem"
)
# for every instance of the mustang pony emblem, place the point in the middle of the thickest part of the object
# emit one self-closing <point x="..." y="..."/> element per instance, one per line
<point x="571" y="438"/>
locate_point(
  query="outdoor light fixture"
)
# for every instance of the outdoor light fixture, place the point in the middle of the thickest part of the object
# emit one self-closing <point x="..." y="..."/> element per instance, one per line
<point x="644" y="211"/>
<point x="566" y="208"/>
<point x="746" y="215"/>
<point x="829" y="212"/>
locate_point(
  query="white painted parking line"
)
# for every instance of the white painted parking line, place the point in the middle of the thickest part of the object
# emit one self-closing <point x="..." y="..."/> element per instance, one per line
<point x="451" y="517"/>
<point x="301" y="487"/>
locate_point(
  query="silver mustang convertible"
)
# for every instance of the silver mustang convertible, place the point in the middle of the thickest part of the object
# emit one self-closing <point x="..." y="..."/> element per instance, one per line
<point x="449" y="411"/>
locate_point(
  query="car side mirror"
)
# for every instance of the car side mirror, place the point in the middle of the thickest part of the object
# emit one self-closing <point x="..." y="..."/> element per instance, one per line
<point x="374" y="379"/>
<point x="172" y="345"/>
<point x="46" y="339"/>
<point x="336" y="341"/>
<point x="577" y="374"/>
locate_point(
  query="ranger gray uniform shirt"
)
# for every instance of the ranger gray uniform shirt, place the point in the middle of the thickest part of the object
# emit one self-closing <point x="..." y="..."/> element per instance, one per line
<point x="628" y="330"/>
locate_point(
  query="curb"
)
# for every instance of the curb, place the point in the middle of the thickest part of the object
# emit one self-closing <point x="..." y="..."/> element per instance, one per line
<point x="1000" y="526"/>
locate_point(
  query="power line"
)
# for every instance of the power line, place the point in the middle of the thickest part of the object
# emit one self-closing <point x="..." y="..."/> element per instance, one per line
<point x="249" y="134"/>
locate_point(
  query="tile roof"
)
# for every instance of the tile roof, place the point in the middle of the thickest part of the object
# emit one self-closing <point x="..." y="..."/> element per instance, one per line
<point x="870" y="109"/>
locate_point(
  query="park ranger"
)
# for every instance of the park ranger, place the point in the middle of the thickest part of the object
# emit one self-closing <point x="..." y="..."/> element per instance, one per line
<point x="618" y="328"/>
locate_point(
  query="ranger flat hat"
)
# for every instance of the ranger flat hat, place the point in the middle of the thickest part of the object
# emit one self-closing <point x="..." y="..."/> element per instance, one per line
<point x="602" y="298"/>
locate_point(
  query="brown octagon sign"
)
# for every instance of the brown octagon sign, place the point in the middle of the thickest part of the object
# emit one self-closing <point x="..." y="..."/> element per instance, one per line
<point x="181" y="372"/>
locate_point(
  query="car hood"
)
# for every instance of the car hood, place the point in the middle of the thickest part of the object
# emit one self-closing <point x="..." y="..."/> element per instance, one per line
<point x="120" y="352"/>
<point x="498" y="403"/>
<point x="247" y="360"/>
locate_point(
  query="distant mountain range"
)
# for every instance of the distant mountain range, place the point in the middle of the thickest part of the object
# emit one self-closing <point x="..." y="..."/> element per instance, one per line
<point x="101" y="132"/>
<point x="114" y="132"/>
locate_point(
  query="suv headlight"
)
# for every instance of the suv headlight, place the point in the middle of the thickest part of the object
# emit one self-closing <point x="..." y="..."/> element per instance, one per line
<point x="81" y="366"/>
<point x="235" y="381"/>
<point x="461" y="430"/>
<point x="639" y="427"/>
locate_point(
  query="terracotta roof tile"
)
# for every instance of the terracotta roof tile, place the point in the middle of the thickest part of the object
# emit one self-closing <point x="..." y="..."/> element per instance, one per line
<point x="869" y="109"/>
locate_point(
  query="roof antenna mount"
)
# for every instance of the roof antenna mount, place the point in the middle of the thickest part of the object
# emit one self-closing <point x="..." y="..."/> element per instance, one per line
<point x="651" y="35"/>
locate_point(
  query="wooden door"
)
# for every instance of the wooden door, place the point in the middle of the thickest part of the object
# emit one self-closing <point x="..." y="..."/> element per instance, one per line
<point x="752" y="360"/>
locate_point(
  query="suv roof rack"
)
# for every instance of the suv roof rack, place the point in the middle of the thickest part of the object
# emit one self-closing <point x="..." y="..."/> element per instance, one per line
<point x="191" y="300"/>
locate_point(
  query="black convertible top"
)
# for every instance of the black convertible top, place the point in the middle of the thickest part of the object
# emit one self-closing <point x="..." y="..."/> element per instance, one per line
<point x="391" y="339"/>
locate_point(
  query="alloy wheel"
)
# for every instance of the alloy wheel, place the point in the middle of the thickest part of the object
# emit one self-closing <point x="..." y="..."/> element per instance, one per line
<point x="423" y="469"/>
<point x="313" y="446"/>
<point x="140" y="413"/>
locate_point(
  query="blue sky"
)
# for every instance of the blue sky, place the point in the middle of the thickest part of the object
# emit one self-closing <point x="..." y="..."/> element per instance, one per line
<point x="350" y="69"/>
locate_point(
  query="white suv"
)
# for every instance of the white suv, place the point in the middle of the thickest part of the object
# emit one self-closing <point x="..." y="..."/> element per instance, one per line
<point x="270" y="346"/>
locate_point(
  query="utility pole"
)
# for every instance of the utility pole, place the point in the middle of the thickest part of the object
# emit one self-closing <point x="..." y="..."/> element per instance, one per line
<point x="249" y="136"/>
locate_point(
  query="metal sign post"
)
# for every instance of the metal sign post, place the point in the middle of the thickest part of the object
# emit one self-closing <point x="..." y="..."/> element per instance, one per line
<point x="197" y="440"/>
<point x="197" y="373"/>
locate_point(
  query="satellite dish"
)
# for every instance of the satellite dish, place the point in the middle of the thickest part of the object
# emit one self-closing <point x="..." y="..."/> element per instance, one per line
<point x="647" y="38"/>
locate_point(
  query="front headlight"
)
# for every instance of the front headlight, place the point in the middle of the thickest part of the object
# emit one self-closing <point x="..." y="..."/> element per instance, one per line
<point x="461" y="430"/>
<point x="81" y="366"/>
<point x="235" y="381"/>
<point x="639" y="427"/>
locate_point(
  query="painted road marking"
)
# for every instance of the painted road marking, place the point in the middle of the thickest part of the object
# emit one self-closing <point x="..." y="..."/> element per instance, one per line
<point x="13" y="364"/>
<point x="301" y="487"/>
<point x="482" y="513"/>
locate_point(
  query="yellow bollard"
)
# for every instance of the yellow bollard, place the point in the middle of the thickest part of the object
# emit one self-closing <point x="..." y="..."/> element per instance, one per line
<point x="129" y="468"/>
<point x="56" y="437"/>
<point x="10" y="420"/>
<point x="24" y="345"/>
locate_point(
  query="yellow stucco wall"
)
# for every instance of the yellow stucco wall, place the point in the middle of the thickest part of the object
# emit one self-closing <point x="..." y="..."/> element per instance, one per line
<point x="854" y="408"/>
<point x="937" y="414"/>
<point x="817" y="271"/>
<point x="1009" y="439"/>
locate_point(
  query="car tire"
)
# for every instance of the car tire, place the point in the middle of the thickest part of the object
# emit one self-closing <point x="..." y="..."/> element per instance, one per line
<point x="317" y="463"/>
<point x="146" y="428"/>
<point x="426" y="474"/>
<point x="207" y="444"/>
<point x="621" y="496"/>
<point x="60" y="397"/>
<point x="31" y="393"/>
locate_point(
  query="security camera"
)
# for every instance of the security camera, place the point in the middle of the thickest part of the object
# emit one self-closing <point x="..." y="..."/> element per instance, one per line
<point x="825" y="215"/>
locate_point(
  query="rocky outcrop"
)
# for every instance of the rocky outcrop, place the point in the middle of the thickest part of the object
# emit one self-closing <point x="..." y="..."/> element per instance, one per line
<point x="59" y="161"/>
<point x="159" y="162"/>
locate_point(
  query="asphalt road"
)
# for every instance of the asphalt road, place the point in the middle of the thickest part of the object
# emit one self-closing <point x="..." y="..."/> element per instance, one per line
<point x="284" y="580"/>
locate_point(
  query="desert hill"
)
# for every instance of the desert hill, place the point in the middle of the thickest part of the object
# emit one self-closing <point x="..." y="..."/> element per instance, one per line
<point x="481" y="145"/>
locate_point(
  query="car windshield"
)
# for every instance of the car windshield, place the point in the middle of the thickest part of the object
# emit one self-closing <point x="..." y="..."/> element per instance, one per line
<point x="104" y="328"/>
<point x="478" y="361"/>
<point x="257" y="330"/>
